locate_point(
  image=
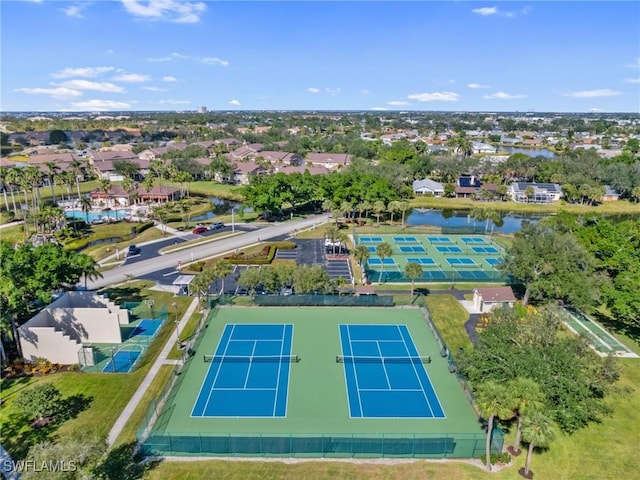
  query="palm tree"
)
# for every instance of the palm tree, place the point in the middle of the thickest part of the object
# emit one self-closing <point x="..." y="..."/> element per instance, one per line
<point x="76" y="168"/>
<point x="378" y="208"/>
<point x="527" y="398"/>
<point x="393" y="207"/>
<point x="52" y="172"/>
<point x="404" y="206"/>
<point x="13" y="179"/>
<point x="383" y="250"/>
<point x="413" y="271"/>
<point x="537" y="429"/>
<point x="104" y="185"/>
<point x="222" y="269"/>
<point x="492" y="400"/>
<point x="86" y="206"/>
<point x="635" y="194"/>
<point x="88" y="267"/>
<point x="365" y="206"/>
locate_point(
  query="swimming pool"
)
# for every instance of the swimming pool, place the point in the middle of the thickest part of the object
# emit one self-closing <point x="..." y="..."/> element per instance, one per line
<point x="112" y="214"/>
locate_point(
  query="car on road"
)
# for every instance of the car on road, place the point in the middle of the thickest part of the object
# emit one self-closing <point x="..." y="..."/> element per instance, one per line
<point x="216" y="226"/>
<point x="133" y="250"/>
<point x="199" y="230"/>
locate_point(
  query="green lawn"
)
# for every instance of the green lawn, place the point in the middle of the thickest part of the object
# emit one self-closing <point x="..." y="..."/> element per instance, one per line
<point x="213" y="189"/>
<point x="449" y="317"/>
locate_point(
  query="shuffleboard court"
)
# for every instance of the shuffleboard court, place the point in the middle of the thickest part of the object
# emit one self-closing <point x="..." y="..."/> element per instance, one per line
<point x="422" y="260"/>
<point x="249" y="373"/>
<point x="405" y="239"/>
<point x="412" y="249"/>
<point x="485" y="249"/>
<point x="473" y="240"/>
<point x="385" y="377"/>
<point x="453" y="249"/>
<point x="439" y="240"/>
<point x="370" y="239"/>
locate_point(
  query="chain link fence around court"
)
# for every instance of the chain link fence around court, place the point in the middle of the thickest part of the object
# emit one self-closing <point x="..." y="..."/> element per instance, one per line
<point x="440" y="445"/>
<point x="136" y="339"/>
<point x="324" y="300"/>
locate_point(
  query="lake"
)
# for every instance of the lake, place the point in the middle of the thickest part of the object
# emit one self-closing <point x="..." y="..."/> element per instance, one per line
<point x="219" y="207"/>
<point x="532" y="152"/>
<point x="511" y="222"/>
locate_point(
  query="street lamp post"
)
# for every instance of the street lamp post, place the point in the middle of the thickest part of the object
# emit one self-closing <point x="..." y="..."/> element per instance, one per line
<point x="175" y="307"/>
<point x="233" y="223"/>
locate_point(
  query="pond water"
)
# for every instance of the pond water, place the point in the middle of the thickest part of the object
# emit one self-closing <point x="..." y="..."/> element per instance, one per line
<point x="532" y="152"/>
<point x="219" y="207"/>
<point x="510" y="223"/>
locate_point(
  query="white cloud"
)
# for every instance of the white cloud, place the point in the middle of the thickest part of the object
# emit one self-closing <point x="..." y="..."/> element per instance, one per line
<point x="58" y="92"/>
<point x="365" y="91"/>
<point x="159" y="59"/>
<point x="215" y="61"/>
<point x="313" y="90"/>
<point x="166" y="10"/>
<point x="101" y="105"/>
<point x="434" y="97"/>
<point x="169" y="78"/>
<point x="596" y="110"/>
<point x="477" y="85"/>
<point x="154" y="89"/>
<point x="84" y="72"/>
<point x="485" y="11"/>
<point x="235" y="102"/>
<point x="380" y="109"/>
<point x="632" y="80"/>
<point x="174" y="102"/>
<point x="332" y="91"/>
<point x="109" y="52"/>
<point x="603" y="92"/>
<point x="503" y="96"/>
<point x="398" y="103"/>
<point x="635" y="64"/>
<point x="75" y="10"/>
<point x="88" y="85"/>
<point x="132" y="78"/>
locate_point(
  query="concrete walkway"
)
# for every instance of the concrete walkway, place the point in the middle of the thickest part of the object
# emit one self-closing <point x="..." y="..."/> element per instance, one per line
<point x="118" y="426"/>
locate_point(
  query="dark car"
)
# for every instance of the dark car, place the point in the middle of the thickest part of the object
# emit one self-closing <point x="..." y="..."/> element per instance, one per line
<point x="199" y="230"/>
<point x="216" y="226"/>
<point x="133" y="250"/>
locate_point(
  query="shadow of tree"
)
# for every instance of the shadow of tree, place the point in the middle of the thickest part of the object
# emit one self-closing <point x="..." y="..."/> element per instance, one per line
<point x="72" y="406"/>
<point x="632" y="331"/>
<point x="124" y="463"/>
<point x="125" y="293"/>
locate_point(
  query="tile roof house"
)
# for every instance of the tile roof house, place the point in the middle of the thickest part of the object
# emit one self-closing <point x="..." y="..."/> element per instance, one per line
<point x="487" y="298"/>
<point x="285" y="158"/>
<point x="542" y="192"/>
<point x="610" y="194"/>
<point x="428" y="187"/>
<point x="312" y="169"/>
<point x="247" y="151"/>
<point x="332" y="161"/>
<point x="244" y="171"/>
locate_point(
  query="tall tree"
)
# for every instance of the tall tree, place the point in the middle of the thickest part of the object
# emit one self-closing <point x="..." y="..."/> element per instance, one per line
<point x="413" y="271"/>
<point x="383" y="250"/>
<point x="527" y="398"/>
<point x="537" y="429"/>
<point x="88" y="267"/>
<point x="492" y="400"/>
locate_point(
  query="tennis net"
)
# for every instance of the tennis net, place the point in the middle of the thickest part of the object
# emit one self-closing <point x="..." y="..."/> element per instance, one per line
<point x="382" y="360"/>
<point x="252" y="358"/>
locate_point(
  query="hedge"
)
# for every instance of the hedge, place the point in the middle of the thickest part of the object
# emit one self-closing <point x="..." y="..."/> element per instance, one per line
<point x="264" y="258"/>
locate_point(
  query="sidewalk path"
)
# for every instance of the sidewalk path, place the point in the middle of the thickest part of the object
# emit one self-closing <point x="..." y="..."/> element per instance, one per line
<point x="118" y="426"/>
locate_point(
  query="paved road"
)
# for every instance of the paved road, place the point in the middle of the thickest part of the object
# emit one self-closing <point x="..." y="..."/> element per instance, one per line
<point x="119" y="274"/>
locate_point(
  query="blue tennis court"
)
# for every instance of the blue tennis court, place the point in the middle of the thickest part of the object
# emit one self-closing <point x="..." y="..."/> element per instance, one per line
<point x="473" y="240"/>
<point x="384" y="375"/>
<point x="422" y="261"/>
<point x="453" y="249"/>
<point x="439" y="240"/>
<point x="377" y="262"/>
<point x="473" y="275"/>
<point x="122" y="361"/>
<point x="434" y="275"/>
<point x="405" y="239"/>
<point x="249" y="373"/>
<point x="493" y="261"/>
<point x="370" y="239"/>
<point x="371" y="248"/>
<point x="146" y="327"/>
<point x="485" y="249"/>
<point x="412" y="249"/>
<point x="461" y="261"/>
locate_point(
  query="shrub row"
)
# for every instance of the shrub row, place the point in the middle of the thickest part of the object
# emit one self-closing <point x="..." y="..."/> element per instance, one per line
<point x="265" y="257"/>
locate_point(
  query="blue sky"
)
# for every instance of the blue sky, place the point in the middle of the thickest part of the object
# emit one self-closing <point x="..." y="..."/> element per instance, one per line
<point x="302" y="55"/>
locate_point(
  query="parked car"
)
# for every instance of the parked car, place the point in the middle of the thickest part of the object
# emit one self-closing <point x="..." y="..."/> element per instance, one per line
<point x="199" y="230"/>
<point x="133" y="250"/>
<point x="216" y="225"/>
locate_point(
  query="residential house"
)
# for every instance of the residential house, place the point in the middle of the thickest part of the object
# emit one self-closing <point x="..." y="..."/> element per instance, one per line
<point x="157" y="194"/>
<point x="479" y="147"/>
<point x="244" y="171"/>
<point x="610" y="194"/>
<point x="250" y="150"/>
<point x="467" y="186"/>
<point x="331" y="161"/>
<point x="103" y="164"/>
<point x="486" y="299"/>
<point x="280" y="158"/>
<point x="428" y="187"/>
<point x="312" y="169"/>
<point x="541" y="192"/>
